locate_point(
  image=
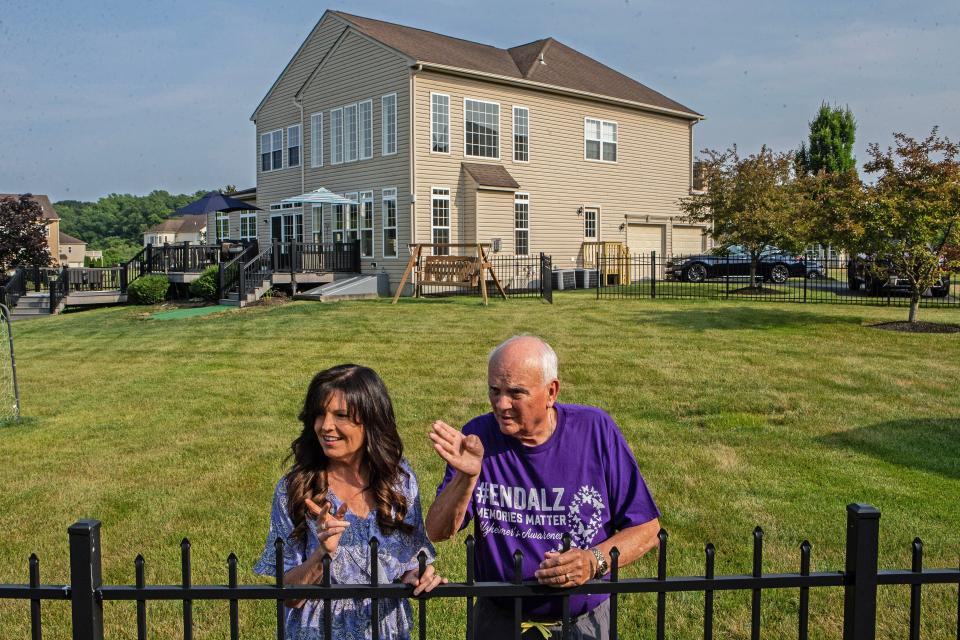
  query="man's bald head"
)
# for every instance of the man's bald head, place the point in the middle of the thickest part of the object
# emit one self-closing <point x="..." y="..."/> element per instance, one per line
<point x="527" y="350"/>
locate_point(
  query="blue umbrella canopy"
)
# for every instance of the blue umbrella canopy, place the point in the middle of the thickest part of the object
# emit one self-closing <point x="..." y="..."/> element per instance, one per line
<point x="215" y="201"/>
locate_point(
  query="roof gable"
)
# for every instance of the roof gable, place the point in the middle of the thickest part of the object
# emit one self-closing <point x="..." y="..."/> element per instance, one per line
<point x="49" y="213"/>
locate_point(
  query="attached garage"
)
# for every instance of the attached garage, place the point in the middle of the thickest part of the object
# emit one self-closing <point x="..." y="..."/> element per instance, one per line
<point x="644" y="238"/>
<point x="688" y="241"/>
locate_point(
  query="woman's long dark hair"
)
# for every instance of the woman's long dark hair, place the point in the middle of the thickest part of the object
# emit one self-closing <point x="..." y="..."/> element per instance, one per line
<point x="368" y="403"/>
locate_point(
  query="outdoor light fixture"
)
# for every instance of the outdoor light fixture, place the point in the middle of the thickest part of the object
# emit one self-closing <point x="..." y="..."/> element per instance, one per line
<point x="579" y="211"/>
<point x="623" y="225"/>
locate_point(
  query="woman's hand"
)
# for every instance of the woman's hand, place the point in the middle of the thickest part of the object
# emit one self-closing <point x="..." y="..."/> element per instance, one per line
<point x="424" y="583"/>
<point x="330" y="526"/>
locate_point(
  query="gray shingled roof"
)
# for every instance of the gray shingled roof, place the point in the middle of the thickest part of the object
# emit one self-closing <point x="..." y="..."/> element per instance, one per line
<point x="183" y="224"/>
<point x="49" y="213"/>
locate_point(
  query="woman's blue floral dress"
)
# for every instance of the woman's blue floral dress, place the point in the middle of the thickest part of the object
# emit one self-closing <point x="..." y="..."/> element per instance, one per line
<point x="351" y="564"/>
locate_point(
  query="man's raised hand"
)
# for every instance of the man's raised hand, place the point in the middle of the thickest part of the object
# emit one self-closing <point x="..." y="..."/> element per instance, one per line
<point x="463" y="453"/>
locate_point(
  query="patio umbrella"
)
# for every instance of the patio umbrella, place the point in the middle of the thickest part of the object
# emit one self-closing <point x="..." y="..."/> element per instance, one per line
<point x="319" y="196"/>
<point x="215" y="201"/>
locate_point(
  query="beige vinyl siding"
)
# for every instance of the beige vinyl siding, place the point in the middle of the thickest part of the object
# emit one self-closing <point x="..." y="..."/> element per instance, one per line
<point x="279" y="111"/>
<point x="651" y="173"/>
<point x="357" y="70"/>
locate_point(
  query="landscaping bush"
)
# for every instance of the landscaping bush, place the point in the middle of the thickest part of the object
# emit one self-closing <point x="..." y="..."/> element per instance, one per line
<point x="149" y="289"/>
<point x="206" y="285"/>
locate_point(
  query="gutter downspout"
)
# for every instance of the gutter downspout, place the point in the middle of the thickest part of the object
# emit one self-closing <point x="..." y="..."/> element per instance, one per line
<point x="413" y="155"/>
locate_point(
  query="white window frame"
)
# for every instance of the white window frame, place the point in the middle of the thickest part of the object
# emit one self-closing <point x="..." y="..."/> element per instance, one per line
<point x="521" y="197"/>
<point x="434" y="123"/>
<point x="389" y="194"/>
<point x="336" y="135"/>
<point x="350" y="153"/>
<point x="615" y="142"/>
<point x="351" y="232"/>
<point x="499" y="127"/>
<point x="316" y="223"/>
<point x="514" y="132"/>
<point x="223" y="226"/>
<point x="245" y="218"/>
<point x="338" y="222"/>
<point x="270" y="136"/>
<point x="388" y="126"/>
<point x="298" y="146"/>
<point x="316" y="140"/>
<point x="366" y="224"/>
<point x="365" y="129"/>
<point x="596" y="224"/>
<point x="439" y="194"/>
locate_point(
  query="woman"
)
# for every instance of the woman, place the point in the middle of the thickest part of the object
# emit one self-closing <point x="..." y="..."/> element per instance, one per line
<point x="348" y="483"/>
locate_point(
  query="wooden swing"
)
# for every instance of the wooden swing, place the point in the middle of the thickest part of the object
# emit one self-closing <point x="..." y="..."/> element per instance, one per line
<point x="449" y="271"/>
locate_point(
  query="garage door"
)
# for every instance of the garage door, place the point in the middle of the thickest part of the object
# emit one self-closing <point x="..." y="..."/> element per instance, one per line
<point x="644" y="238"/>
<point x="687" y="241"/>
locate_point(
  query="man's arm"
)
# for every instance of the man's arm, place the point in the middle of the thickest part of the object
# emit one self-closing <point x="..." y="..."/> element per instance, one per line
<point x="464" y="454"/>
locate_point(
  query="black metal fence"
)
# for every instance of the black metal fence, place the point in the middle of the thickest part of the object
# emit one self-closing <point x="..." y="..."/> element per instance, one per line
<point x="859" y="581"/>
<point x="836" y="281"/>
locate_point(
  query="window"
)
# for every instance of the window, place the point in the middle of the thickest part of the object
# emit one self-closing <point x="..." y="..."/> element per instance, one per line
<point x="338" y="222"/>
<point x="248" y="225"/>
<point x="316" y="140"/>
<point x="388" y="211"/>
<point x="336" y="136"/>
<point x="521" y="134"/>
<point x="590" y="224"/>
<point x="521" y="224"/>
<point x="440" y="220"/>
<point x="223" y="226"/>
<point x="350" y="133"/>
<point x="366" y="129"/>
<point x="353" y="219"/>
<point x="293" y="146"/>
<point x="600" y="140"/>
<point x="481" y="126"/>
<point x="388" y="124"/>
<point x="439" y="123"/>
<point x="366" y="224"/>
<point x="316" y="223"/>
<point x="271" y="150"/>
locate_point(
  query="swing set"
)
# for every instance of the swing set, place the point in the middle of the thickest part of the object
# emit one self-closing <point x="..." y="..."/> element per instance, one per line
<point x="448" y="271"/>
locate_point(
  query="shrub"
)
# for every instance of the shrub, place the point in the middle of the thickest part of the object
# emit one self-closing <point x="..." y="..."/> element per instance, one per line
<point x="148" y="289"/>
<point x="206" y="285"/>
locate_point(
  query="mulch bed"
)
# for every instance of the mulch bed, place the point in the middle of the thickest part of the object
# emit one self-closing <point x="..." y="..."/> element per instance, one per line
<point x="757" y="291"/>
<point x="917" y="327"/>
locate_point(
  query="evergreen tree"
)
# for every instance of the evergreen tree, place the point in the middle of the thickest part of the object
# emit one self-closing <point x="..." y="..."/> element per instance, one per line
<point x="830" y="147"/>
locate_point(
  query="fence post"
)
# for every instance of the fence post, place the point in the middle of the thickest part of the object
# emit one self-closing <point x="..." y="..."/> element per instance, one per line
<point x="860" y="592"/>
<point x="599" y="273"/>
<point x="276" y="255"/>
<point x="149" y="259"/>
<point x="65" y="280"/>
<point x="356" y="256"/>
<point x="123" y="276"/>
<point x="653" y="274"/>
<point x="85" y="580"/>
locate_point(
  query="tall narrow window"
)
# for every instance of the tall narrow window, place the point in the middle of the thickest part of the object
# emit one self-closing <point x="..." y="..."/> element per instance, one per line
<point x="350" y="133"/>
<point x="439" y="123"/>
<point x="521" y="224"/>
<point x="590" y="224"/>
<point x="366" y="224"/>
<point x="336" y="136"/>
<point x="271" y="150"/>
<point x="599" y="140"/>
<point x="521" y="134"/>
<point x="293" y="146"/>
<point x="223" y="226"/>
<point x="316" y="140"/>
<point x="353" y="219"/>
<point x="388" y="124"/>
<point x="339" y="222"/>
<point x="316" y="222"/>
<point x="388" y="211"/>
<point x="248" y="225"/>
<point x="481" y="128"/>
<point x="440" y="220"/>
<point x="366" y="129"/>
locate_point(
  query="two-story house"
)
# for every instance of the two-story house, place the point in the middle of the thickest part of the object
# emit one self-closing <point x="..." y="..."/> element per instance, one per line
<point x="536" y="148"/>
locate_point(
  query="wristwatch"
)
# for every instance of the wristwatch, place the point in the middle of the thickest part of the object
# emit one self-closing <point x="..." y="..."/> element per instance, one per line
<point x="602" y="566"/>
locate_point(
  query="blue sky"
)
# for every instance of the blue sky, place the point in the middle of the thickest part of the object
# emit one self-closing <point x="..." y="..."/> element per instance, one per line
<point x="127" y="97"/>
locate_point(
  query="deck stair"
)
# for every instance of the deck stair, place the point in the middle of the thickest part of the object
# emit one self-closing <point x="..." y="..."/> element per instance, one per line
<point x="31" y="306"/>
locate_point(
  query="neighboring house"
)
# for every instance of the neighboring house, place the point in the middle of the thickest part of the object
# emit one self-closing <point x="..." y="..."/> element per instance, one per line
<point x="51" y="219"/>
<point x="191" y="229"/>
<point x="538" y="148"/>
<point x="237" y="225"/>
<point x="72" y="251"/>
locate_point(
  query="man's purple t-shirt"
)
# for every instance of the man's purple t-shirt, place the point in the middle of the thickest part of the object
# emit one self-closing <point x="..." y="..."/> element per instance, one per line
<point x="583" y="481"/>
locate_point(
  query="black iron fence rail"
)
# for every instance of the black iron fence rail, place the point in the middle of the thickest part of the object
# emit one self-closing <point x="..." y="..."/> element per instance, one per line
<point x="859" y="581"/>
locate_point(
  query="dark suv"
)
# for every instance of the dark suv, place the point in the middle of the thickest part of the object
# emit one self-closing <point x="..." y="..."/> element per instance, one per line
<point x="878" y="279"/>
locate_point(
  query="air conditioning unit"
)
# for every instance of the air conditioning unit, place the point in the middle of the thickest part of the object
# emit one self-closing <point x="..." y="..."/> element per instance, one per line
<point x="587" y="278"/>
<point x="564" y="279"/>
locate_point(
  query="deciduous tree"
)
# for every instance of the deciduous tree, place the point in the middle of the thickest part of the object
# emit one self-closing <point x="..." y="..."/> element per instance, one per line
<point x="23" y="233"/>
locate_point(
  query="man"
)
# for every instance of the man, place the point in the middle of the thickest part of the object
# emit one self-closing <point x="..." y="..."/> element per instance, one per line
<point x="531" y="471"/>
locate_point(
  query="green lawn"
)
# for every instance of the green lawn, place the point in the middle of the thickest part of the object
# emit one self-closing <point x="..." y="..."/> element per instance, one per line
<point x="739" y="414"/>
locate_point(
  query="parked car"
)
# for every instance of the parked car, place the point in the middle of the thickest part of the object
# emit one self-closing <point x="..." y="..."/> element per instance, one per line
<point x="774" y="266"/>
<point x="878" y="279"/>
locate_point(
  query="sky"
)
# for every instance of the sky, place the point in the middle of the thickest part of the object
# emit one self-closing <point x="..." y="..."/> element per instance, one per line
<point x="128" y="96"/>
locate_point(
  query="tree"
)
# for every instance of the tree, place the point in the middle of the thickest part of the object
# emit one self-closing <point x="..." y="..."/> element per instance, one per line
<point x="749" y="202"/>
<point x="910" y="216"/>
<point x="832" y="134"/>
<point x="23" y="233"/>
